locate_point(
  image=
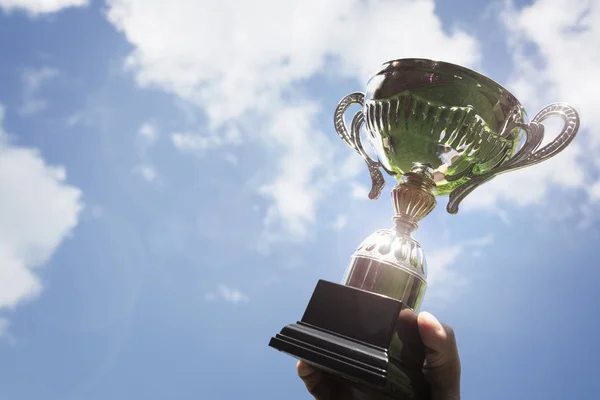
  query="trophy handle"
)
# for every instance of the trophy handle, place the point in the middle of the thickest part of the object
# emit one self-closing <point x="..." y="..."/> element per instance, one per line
<point x="528" y="154"/>
<point x="352" y="139"/>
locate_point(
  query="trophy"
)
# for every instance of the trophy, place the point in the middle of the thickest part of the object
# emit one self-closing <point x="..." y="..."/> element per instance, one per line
<point x="439" y="129"/>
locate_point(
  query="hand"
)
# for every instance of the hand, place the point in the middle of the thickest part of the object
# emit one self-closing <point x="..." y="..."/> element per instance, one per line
<point x="441" y="368"/>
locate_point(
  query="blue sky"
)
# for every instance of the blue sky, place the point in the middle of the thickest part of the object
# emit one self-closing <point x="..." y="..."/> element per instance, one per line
<point x="171" y="189"/>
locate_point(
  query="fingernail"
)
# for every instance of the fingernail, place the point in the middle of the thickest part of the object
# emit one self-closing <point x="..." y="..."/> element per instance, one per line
<point x="304" y="369"/>
<point x="434" y="323"/>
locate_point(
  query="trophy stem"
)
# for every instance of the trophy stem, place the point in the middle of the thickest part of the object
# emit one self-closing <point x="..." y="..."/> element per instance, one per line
<point x="413" y="199"/>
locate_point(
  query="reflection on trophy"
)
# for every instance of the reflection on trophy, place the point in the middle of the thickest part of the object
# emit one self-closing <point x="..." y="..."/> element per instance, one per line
<point x="439" y="129"/>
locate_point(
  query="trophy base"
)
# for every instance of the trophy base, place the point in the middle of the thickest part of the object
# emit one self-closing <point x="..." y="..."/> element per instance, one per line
<point x="361" y="337"/>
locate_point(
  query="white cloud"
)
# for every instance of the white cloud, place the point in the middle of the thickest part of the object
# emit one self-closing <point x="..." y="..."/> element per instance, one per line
<point x="38" y="210"/>
<point x="359" y="191"/>
<point x="75" y="119"/>
<point x="241" y="78"/>
<point x="556" y="52"/>
<point x="231" y="158"/>
<point x="301" y="175"/>
<point x="33" y="80"/>
<point x="438" y="263"/>
<point x="227" y="294"/>
<point x="442" y="279"/>
<point x="252" y="63"/>
<point x="147" y="172"/>
<point x="594" y="191"/>
<point x="340" y="222"/>
<point x="36" y="7"/>
<point x="199" y="144"/>
<point x="556" y="48"/>
<point x="147" y="136"/>
<point x="445" y="279"/>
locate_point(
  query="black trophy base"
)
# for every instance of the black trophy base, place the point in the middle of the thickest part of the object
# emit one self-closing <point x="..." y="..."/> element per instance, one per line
<point x="361" y="337"/>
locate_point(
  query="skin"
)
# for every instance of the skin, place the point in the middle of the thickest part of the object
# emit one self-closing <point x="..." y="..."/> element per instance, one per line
<point x="441" y="368"/>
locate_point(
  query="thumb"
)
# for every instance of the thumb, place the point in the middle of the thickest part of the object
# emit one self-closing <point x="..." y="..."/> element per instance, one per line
<point x="315" y="382"/>
<point x="442" y="363"/>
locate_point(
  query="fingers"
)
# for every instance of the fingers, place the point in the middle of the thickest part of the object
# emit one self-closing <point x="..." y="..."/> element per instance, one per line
<point x="435" y="335"/>
<point x="313" y="380"/>
<point x="442" y="362"/>
<point x="304" y="370"/>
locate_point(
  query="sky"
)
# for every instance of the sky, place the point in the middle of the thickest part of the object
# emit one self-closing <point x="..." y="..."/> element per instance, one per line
<point x="172" y="188"/>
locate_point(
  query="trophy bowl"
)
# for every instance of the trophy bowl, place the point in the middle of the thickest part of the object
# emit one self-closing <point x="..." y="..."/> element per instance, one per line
<point x="439" y="129"/>
<point x="460" y="123"/>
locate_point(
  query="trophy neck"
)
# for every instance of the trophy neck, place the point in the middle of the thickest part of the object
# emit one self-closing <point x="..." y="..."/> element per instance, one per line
<point x="413" y="199"/>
